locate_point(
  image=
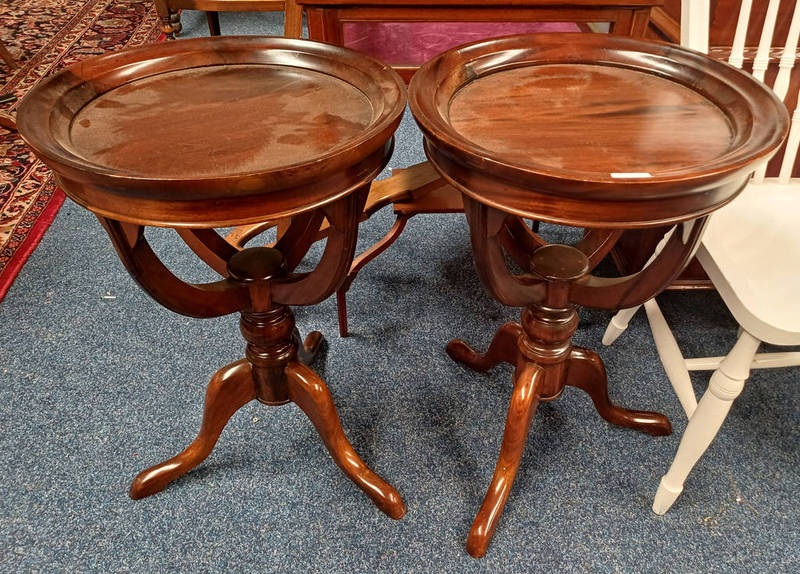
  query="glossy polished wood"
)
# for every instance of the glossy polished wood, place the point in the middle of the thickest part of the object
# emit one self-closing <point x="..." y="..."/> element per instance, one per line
<point x="634" y="133"/>
<point x="591" y="131"/>
<point x="595" y="196"/>
<point x="341" y="112"/>
<point x="230" y="389"/>
<point x="307" y="147"/>
<point x="203" y="173"/>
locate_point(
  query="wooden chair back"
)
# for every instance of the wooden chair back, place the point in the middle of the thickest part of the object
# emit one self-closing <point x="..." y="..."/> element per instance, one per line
<point x="769" y="61"/>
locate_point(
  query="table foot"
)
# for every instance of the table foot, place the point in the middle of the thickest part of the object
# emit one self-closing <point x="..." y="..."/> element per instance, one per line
<point x="524" y="401"/>
<point x="586" y="371"/>
<point x="311" y="394"/>
<point x="503" y="349"/>
<point x="230" y="388"/>
<point x="308" y="350"/>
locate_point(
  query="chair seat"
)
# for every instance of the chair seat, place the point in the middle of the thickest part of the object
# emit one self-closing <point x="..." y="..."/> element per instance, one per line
<point x="751" y="251"/>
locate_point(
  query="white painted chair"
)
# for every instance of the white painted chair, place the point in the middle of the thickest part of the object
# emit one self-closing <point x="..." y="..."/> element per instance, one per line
<point x="751" y="252"/>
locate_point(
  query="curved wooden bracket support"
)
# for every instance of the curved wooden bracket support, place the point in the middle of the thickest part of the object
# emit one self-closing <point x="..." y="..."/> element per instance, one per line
<point x="209" y="246"/>
<point x="359" y="262"/>
<point x="194" y="300"/>
<point x="486" y="227"/>
<point x="596" y="244"/>
<point x="294" y="240"/>
<point x="313" y="287"/>
<point x="241" y="235"/>
<point x="297" y="240"/>
<point x="635" y="289"/>
<point x="519" y="241"/>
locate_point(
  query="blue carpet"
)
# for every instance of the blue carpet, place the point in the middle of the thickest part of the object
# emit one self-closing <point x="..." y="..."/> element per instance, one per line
<point x="97" y="382"/>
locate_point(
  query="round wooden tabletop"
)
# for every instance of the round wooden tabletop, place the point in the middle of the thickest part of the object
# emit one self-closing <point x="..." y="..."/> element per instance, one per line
<point x="215" y="131"/>
<point x="594" y="130"/>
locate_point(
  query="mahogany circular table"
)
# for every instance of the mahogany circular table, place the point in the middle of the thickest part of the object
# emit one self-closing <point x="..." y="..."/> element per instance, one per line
<point x="216" y="132"/>
<point x="585" y="130"/>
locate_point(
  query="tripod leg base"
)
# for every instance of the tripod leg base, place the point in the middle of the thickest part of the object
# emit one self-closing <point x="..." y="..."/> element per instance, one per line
<point x="503" y="349"/>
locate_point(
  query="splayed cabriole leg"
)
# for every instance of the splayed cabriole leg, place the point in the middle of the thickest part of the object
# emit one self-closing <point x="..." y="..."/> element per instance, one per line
<point x="274" y="372"/>
<point x="308" y="391"/>
<point x="586" y="372"/>
<point x="524" y="401"/>
<point x="503" y="349"/>
<point x="230" y="389"/>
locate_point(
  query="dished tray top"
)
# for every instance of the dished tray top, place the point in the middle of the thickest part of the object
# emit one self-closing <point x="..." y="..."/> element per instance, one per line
<point x="213" y="132"/>
<point x="210" y="108"/>
<point x="218" y="120"/>
<point x="594" y="130"/>
<point x="592" y="120"/>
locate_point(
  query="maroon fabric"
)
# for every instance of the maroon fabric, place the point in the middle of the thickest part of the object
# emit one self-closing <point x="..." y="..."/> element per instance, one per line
<point x="413" y="43"/>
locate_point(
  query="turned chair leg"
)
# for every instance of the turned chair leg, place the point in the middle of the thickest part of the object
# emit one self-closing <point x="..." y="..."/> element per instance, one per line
<point x="618" y="324"/>
<point x="175" y="20"/>
<point x="725" y="385"/>
<point x="671" y="358"/>
<point x="170" y="19"/>
<point x="524" y="400"/>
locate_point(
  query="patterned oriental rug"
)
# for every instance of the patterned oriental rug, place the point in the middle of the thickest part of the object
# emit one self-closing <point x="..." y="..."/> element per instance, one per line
<point x="44" y="36"/>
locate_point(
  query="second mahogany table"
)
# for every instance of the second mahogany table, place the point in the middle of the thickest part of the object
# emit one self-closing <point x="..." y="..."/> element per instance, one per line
<point x="592" y="131"/>
<point x="290" y="128"/>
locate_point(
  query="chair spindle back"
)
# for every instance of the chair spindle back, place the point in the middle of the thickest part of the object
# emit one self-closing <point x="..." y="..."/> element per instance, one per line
<point x="695" y="18"/>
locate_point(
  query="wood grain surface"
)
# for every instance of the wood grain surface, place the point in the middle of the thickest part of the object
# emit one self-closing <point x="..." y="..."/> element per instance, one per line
<point x="219" y="120"/>
<point x="592" y="119"/>
<point x="594" y="130"/>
